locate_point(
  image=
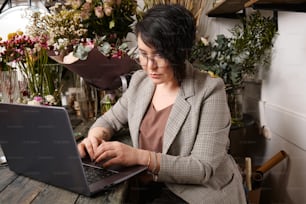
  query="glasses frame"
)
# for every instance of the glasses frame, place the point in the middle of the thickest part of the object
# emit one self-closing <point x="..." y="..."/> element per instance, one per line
<point x="156" y="58"/>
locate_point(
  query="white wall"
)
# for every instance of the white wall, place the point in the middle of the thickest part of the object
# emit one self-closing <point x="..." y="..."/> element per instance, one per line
<point x="283" y="109"/>
<point x="284" y="97"/>
<point x="16" y="18"/>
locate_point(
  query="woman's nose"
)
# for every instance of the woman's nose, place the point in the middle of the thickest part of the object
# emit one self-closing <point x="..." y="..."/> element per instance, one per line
<point x="151" y="63"/>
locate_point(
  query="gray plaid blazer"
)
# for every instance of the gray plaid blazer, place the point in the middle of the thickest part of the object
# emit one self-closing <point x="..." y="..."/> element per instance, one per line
<point x="195" y="163"/>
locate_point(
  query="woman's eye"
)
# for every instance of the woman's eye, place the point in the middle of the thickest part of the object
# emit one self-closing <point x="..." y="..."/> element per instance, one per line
<point x="143" y="54"/>
<point x="158" y="56"/>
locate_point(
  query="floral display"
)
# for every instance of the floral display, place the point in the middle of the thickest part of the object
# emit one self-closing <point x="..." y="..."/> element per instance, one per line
<point x="15" y="49"/>
<point x="77" y="25"/>
<point x="89" y="37"/>
<point x="29" y="56"/>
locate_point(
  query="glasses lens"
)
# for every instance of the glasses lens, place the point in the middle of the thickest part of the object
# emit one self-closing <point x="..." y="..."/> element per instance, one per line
<point x="143" y="59"/>
<point x="160" y="61"/>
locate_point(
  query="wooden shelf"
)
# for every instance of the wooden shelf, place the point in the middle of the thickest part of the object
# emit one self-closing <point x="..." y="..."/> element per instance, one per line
<point x="230" y="8"/>
<point x="278" y="5"/>
<point x="227" y="8"/>
<point x="285" y="2"/>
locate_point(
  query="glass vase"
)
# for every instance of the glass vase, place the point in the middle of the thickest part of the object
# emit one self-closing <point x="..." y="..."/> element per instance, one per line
<point x="86" y="104"/>
<point x="235" y="102"/>
<point x="108" y="99"/>
<point x="9" y="87"/>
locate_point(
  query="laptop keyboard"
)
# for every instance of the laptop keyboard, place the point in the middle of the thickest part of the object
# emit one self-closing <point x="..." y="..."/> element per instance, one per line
<point x="96" y="174"/>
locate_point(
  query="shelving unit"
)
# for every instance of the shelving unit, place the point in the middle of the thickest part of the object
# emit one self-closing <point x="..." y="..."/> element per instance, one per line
<point x="231" y="8"/>
<point x="227" y="8"/>
<point x="278" y="5"/>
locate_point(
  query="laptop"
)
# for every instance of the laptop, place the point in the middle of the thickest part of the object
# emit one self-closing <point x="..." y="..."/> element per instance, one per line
<point x="38" y="142"/>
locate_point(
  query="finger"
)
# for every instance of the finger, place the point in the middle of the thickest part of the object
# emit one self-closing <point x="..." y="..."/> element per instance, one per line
<point x="89" y="148"/>
<point x="104" y="146"/>
<point x="81" y="149"/>
<point x="111" y="162"/>
<point x="95" y="142"/>
<point x="105" y="155"/>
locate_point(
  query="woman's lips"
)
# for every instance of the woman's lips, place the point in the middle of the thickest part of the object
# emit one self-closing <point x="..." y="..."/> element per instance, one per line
<point x="154" y="76"/>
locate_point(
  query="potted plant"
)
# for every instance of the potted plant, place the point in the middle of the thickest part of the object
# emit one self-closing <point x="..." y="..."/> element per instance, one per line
<point x="237" y="57"/>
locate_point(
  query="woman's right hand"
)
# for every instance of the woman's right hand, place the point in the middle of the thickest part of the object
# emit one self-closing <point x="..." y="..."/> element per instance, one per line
<point x="89" y="145"/>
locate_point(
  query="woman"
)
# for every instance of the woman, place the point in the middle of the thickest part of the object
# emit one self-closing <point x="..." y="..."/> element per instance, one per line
<point x="178" y="118"/>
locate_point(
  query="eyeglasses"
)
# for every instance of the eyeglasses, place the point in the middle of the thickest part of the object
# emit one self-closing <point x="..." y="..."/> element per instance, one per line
<point x="143" y="59"/>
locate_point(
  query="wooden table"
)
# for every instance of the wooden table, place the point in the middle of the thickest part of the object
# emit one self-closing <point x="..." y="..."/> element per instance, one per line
<point x="23" y="190"/>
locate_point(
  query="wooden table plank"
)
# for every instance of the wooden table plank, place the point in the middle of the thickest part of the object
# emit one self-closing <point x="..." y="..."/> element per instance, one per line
<point x="7" y="177"/>
<point x="114" y="196"/>
<point x="22" y="190"/>
<point x="52" y="195"/>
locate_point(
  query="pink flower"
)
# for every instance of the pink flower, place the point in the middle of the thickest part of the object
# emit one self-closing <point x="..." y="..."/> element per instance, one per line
<point x="86" y="10"/>
<point x="99" y="11"/>
<point x="38" y="99"/>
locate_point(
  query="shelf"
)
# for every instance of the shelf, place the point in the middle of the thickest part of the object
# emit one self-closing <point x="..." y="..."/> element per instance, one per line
<point x="278" y="5"/>
<point x="231" y="8"/>
<point x="227" y="8"/>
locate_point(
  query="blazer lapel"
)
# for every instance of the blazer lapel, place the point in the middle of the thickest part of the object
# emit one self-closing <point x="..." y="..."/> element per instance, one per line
<point x="142" y="105"/>
<point x="179" y="111"/>
<point x="177" y="116"/>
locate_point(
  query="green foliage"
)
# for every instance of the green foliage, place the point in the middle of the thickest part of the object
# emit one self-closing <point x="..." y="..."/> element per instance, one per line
<point x="233" y="58"/>
<point x="254" y="38"/>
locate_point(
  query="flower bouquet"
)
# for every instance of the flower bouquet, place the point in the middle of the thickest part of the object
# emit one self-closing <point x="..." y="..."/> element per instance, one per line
<point x="97" y="69"/>
<point x="89" y="38"/>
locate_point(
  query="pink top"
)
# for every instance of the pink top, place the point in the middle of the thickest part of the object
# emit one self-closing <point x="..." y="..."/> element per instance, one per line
<point x="152" y="128"/>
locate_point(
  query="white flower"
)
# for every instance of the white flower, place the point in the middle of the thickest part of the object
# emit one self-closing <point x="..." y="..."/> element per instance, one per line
<point x="34" y="103"/>
<point x="205" y="41"/>
<point x="50" y="98"/>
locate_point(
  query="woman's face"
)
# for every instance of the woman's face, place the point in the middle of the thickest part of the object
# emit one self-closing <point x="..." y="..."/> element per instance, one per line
<point x="157" y="67"/>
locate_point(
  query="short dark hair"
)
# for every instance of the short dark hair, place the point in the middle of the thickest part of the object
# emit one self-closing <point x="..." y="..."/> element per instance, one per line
<point x="171" y="30"/>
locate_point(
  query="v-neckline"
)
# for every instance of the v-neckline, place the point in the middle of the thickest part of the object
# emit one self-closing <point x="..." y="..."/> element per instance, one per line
<point x="163" y="109"/>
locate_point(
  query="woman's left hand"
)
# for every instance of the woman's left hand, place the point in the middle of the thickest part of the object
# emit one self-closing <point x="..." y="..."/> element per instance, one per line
<point x="111" y="153"/>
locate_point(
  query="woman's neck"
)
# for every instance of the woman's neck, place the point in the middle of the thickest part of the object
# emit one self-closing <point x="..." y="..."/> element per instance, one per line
<point x="164" y="95"/>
